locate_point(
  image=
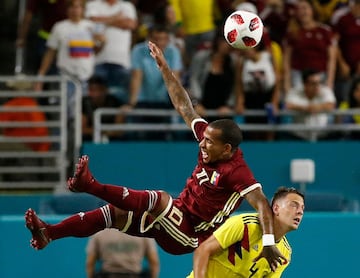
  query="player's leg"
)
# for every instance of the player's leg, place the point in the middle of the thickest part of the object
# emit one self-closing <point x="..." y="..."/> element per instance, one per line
<point x="82" y="224"/>
<point x="172" y="229"/>
<point x="120" y="196"/>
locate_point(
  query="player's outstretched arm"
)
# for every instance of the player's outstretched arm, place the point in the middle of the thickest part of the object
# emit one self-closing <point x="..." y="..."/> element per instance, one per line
<point x="202" y="255"/>
<point x="178" y="95"/>
<point x="270" y="252"/>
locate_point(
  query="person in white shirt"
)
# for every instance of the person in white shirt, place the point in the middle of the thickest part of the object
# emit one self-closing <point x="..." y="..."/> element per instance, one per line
<point x="116" y="19"/>
<point x="73" y="43"/>
<point x="311" y="102"/>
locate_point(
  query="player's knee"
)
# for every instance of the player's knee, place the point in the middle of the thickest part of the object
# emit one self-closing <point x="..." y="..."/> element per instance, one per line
<point x="121" y="218"/>
<point x="162" y="203"/>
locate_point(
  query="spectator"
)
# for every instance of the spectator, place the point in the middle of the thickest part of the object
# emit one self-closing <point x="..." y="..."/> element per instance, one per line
<point x="213" y="79"/>
<point x="259" y="86"/>
<point x="121" y="255"/>
<point x="326" y="8"/>
<point x="35" y="117"/>
<point x="224" y="9"/>
<point x="147" y="11"/>
<point x="49" y="12"/>
<point x="117" y="19"/>
<point x="197" y="24"/>
<point x="308" y="44"/>
<point x="165" y="15"/>
<point x="147" y="88"/>
<point x="98" y="97"/>
<point x="353" y="103"/>
<point x="276" y="16"/>
<point x="347" y="29"/>
<point x="73" y="44"/>
<point x="311" y="104"/>
<point x="259" y="4"/>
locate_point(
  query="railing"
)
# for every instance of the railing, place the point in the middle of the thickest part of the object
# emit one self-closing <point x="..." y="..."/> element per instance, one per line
<point x="22" y="167"/>
<point x="177" y="124"/>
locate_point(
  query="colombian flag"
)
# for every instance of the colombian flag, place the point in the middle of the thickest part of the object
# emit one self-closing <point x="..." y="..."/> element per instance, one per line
<point x="81" y="48"/>
<point x="215" y="178"/>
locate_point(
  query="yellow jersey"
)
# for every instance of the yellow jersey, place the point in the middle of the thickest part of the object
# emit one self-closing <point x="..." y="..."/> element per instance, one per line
<point x="241" y="239"/>
<point x="195" y="16"/>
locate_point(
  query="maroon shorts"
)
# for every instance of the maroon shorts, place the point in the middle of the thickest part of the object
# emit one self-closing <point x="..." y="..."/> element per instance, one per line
<point x="173" y="230"/>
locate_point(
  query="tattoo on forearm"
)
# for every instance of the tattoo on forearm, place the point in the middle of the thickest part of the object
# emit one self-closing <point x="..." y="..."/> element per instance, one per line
<point x="178" y="94"/>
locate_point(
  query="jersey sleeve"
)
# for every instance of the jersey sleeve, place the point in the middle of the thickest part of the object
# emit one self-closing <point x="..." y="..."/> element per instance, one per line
<point x="242" y="179"/>
<point x="230" y="232"/>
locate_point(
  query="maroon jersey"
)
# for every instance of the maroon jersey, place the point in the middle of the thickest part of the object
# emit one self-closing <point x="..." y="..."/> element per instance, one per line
<point x="310" y="47"/>
<point x="50" y="11"/>
<point x="215" y="190"/>
<point x="348" y="28"/>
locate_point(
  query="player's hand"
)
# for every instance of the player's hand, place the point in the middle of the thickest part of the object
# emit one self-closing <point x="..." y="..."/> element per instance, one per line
<point x="272" y="255"/>
<point x="157" y="54"/>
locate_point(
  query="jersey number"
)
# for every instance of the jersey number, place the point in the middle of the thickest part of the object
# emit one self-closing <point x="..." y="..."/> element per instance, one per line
<point x="176" y="216"/>
<point x="202" y="176"/>
<point x="253" y="270"/>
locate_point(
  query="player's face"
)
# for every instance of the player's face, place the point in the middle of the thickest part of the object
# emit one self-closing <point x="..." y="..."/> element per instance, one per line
<point x="290" y="211"/>
<point x="211" y="147"/>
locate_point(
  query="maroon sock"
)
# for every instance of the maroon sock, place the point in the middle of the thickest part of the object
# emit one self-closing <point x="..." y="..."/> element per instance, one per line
<point x="83" y="224"/>
<point x="124" y="198"/>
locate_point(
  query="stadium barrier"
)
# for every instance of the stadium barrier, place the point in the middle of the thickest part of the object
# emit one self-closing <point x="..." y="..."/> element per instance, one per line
<point x="276" y="123"/>
<point x="22" y="167"/>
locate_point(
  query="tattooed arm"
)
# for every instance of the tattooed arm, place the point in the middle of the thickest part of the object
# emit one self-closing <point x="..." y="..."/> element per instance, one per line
<point x="178" y="95"/>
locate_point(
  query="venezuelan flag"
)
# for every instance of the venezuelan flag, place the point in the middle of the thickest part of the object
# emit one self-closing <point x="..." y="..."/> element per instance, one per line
<point x="215" y="178"/>
<point x="81" y="48"/>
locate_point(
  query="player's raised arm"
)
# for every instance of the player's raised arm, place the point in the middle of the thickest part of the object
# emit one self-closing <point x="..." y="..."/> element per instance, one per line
<point x="178" y="95"/>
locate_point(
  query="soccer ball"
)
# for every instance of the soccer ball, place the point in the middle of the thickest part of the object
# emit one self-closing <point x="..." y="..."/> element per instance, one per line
<point x="243" y="29"/>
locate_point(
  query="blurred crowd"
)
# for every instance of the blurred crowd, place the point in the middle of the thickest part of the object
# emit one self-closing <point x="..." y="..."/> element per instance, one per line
<point x="307" y="62"/>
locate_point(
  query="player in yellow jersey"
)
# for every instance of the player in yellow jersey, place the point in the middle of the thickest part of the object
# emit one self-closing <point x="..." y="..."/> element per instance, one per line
<point x="234" y="249"/>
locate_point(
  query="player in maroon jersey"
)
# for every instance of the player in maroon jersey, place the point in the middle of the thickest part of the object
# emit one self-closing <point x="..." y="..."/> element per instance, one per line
<point x="218" y="184"/>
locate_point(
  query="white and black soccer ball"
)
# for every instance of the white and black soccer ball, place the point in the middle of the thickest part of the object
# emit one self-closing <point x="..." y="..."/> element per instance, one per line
<point x="243" y="29"/>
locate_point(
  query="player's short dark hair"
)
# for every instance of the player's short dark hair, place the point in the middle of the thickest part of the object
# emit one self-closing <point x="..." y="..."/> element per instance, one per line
<point x="283" y="191"/>
<point x="230" y="132"/>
